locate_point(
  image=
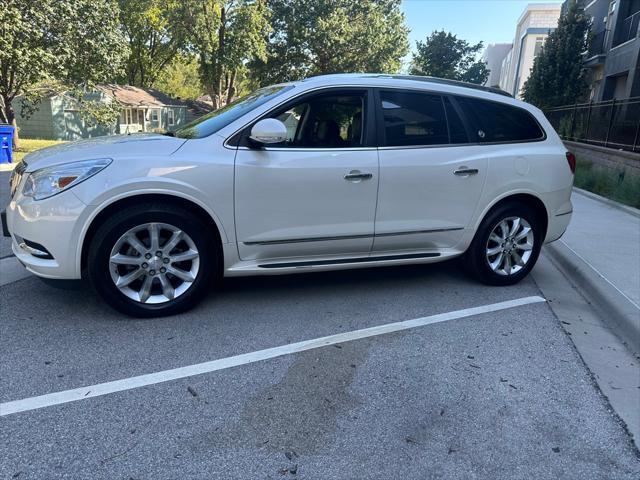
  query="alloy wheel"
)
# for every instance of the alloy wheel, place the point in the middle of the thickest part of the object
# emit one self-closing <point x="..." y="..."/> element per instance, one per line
<point x="510" y="246"/>
<point x="154" y="263"/>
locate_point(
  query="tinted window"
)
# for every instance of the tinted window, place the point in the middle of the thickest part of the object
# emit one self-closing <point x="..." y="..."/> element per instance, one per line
<point x="413" y="119"/>
<point x="457" y="131"/>
<point x="498" y="122"/>
<point x="214" y="121"/>
<point x="325" y="121"/>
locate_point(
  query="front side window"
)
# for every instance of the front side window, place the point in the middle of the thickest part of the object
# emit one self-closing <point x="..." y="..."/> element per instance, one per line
<point x="495" y="122"/>
<point x="413" y="118"/>
<point x="325" y="121"/>
<point x="171" y="119"/>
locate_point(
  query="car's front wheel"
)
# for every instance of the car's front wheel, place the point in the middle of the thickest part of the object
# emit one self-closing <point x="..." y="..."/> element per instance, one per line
<point x="152" y="260"/>
<point x="506" y="245"/>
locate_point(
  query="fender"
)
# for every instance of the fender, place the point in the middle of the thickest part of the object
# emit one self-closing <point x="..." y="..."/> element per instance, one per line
<point x="502" y="196"/>
<point x="110" y="198"/>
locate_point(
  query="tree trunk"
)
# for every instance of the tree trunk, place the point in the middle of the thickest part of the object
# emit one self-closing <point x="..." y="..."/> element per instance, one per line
<point x="231" y="92"/>
<point x="16" y="140"/>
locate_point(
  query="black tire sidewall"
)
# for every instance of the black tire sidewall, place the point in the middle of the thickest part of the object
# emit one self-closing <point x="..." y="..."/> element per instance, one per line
<point x="106" y="237"/>
<point x="476" y="255"/>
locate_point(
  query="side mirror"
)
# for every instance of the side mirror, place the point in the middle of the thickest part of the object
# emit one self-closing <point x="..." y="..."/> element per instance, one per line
<point x="269" y="130"/>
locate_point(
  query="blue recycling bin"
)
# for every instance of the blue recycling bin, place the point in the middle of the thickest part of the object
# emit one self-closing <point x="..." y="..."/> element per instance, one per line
<point x="6" y="143"/>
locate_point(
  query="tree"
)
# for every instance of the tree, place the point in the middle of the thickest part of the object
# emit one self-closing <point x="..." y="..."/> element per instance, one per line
<point x="156" y="31"/>
<point x="557" y="77"/>
<point x="312" y="37"/>
<point x="444" y="55"/>
<point x="74" y="43"/>
<point x="226" y="34"/>
<point x="181" y="78"/>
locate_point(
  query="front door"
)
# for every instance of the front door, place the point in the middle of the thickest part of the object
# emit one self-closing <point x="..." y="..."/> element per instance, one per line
<point x="314" y="194"/>
<point x="431" y="177"/>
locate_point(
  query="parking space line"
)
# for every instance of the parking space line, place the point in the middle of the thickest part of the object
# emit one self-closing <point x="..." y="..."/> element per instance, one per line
<point x="83" y="393"/>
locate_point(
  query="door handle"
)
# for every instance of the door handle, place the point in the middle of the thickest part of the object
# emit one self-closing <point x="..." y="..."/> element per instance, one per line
<point x="465" y="172"/>
<point x="357" y="175"/>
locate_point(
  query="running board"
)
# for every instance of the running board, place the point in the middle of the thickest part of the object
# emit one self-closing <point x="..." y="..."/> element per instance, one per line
<point x="342" y="261"/>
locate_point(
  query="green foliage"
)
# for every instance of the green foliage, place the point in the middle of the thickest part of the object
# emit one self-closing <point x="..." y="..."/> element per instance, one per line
<point x="557" y="77"/>
<point x="156" y="30"/>
<point x="444" y="55"/>
<point x="180" y="78"/>
<point x="226" y="34"/>
<point x="621" y="184"/>
<point x="312" y="37"/>
<point x="75" y="42"/>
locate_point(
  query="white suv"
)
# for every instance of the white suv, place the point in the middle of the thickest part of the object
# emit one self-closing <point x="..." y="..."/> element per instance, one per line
<point x="332" y="172"/>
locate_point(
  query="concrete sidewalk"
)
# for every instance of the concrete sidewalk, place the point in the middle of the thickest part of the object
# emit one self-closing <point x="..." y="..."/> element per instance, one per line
<point x="600" y="253"/>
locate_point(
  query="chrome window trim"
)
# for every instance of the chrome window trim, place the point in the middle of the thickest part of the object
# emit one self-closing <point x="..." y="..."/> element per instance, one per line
<point x="297" y="149"/>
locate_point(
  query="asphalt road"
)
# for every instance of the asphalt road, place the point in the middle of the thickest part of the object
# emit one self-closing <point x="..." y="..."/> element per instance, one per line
<point x="496" y="395"/>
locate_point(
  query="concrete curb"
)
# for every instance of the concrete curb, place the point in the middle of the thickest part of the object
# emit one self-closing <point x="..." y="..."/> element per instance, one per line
<point x="617" y="310"/>
<point x="612" y="203"/>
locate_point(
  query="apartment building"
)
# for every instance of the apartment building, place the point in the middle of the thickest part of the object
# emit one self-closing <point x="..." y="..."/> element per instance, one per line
<point x="612" y="60"/>
<point x="533" y="27"/>
<point x="493" y="56"/>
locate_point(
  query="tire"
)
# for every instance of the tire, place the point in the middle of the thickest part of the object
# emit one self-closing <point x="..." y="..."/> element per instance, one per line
<point x="167" y="281"/>
<point x="486" y="258"/>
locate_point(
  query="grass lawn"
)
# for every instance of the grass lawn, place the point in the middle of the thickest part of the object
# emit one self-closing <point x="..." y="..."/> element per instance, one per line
<point x="621" y="183"/>
<point x="28" y="145"/>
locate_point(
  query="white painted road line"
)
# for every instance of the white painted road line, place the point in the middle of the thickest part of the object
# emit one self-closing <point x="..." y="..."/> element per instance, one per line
<point x="106" y="388"/>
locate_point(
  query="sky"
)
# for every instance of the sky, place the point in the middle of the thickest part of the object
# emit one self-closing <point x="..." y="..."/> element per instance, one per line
<point x="489" y="21"/>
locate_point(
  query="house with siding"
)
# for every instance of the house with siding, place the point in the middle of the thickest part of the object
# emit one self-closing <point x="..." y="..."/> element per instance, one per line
<point x="141" y="110"/>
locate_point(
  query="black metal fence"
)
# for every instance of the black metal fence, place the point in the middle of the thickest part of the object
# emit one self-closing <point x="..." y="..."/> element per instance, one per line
<point x="614" y="123"/>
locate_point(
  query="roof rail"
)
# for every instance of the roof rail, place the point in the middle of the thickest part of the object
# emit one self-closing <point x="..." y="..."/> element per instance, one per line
<point x="455" y="83"/>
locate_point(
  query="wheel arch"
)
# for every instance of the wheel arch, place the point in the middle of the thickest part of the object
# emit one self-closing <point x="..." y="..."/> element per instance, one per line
<point x="525" y="198"/>
<point x="118" y="204"/>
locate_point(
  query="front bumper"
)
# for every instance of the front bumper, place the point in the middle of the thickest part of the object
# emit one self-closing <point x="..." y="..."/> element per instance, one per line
<point x="54" y="224"/>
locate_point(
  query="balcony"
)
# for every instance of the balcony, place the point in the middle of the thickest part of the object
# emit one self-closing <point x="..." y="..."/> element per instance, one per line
<point x="627" y="29"/>
<point x="596" y="52"/>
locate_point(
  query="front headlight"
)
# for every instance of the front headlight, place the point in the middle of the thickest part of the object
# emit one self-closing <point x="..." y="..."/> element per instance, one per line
<point x="47" y="182"/>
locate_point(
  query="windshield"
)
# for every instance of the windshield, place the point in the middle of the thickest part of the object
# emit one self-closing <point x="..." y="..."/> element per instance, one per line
<point x="218" y="119"/>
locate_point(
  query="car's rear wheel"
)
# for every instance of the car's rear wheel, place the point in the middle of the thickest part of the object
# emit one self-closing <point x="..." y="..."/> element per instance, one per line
<point x="152" y="260"/>
<point x="506" y="245"/>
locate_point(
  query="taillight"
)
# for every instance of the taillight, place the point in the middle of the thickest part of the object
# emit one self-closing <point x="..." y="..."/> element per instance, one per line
<point x="571" y="158"/>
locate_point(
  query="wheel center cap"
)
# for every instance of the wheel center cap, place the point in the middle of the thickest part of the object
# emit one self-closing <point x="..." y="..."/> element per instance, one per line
<point x="155" y="263"/>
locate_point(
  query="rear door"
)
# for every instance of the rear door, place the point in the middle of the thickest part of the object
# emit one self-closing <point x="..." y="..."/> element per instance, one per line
<point x="314" y="194"/>
<point x="431" y="177"/>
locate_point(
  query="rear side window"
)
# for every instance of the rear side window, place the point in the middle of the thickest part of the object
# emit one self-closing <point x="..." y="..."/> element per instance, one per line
<point x="412" y="118"/>
<point x="498" y="122"/>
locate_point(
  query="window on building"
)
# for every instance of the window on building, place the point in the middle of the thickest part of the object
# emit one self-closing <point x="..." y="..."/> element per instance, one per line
<point x="538" y="47"/>
<point x="413" y="119"/>
<point x="154" y="115"/>
<point x="171" y="119"/>
<point x="498" y="122"/>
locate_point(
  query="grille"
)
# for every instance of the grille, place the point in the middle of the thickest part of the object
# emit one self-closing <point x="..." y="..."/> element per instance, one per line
<point x="16" y="177"/>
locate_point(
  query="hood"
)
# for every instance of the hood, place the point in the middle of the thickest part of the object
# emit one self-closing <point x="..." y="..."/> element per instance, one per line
<point x="114" y="147"/>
